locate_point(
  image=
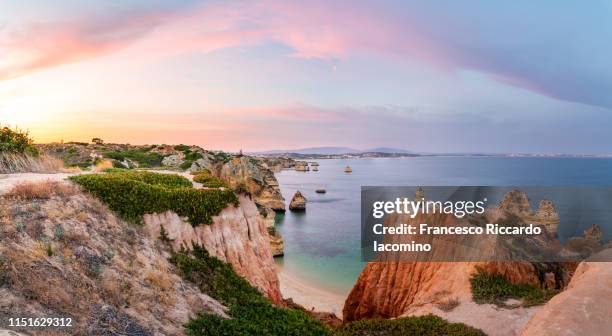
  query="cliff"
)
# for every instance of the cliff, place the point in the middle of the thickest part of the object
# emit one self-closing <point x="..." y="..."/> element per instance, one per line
<point x="392" y="289"/>
<point x="386" y="290"/>
<point x="238" y="236"/>
<point x="63" y="253"/>
<point x="257" y="179"/>
<point x="254" y="174"/>
<point x="584" y="307"/>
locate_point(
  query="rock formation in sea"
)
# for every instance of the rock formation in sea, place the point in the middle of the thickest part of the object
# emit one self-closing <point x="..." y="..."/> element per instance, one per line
<point x="298" y="202"/>
<point x="238" y="235"/>
<point x="419" y="194"/>
<point x="301" y="166"/>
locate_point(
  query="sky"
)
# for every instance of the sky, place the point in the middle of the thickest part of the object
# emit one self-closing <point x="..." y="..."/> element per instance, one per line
<point x="429" y="76"/>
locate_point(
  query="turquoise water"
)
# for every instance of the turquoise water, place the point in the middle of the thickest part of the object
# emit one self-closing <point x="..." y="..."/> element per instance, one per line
<point x="322" y="245"/>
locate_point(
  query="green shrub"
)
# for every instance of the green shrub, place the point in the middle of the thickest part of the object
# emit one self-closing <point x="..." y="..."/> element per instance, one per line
<point x="210" y="181"/>
<point x="192" y="156"/>
<point x="496" y="289"/>
<point x="118" y="165"/>
<point x="181" y="147"/>
<point x="115" y="170"/>
<point x="144" y="157"/>
<point x="165" y="180"/>
<point x="428" y="325"/>
<point x="16" y="141"/>
<point x="186" y="165"/>
<point x="201" y="171"/>
<point x="251" y="312"/>
<point x="135" y="193"/>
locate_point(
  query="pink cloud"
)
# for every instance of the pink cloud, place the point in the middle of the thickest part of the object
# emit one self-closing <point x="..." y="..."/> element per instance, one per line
<point x="41" y="45"/>
<point x="313" y="30"/>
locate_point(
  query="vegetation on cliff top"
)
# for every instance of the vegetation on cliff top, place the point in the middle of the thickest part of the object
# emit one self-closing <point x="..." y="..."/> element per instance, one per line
<point x="144" y="156"/>
<point x="251" y="312"/>
<point x="135" y="193"/>
<point x="429" y="325"/>
<point x="496" y="289"/>
<point x="18" y="154"/>
<point x="209" y="181"/>
<point x="16" y="141"/>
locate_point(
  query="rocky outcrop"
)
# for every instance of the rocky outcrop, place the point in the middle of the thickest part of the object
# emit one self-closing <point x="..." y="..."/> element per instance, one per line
<point x="258" y="180"/>
<point x="391" y="289"/>
<point x="583" y="308"/>
<point x="238" y="236"/>
<point x="301" y="166"/>
<point x="594" y="233"/>
<point x="174" y="160"/>
<point x="298" y="202"/>
<point x="516" y="202"/>
<point x="387" y="290"/>
<point x="277" y="244"/>
<point x="276" y="164"/>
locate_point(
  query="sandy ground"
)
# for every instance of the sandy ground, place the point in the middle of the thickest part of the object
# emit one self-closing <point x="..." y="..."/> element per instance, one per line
<point x="492" y="320"/>
<point x="7" y="181"/>
<point x="308" y="295"/>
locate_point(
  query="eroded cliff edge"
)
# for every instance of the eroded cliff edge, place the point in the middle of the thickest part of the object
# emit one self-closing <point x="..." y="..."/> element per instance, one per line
<point x="584" y="308"/>
<point x="238" y="235"/>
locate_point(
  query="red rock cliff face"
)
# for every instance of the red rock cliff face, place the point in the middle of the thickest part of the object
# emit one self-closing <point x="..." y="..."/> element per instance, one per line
<point x="390" y="289"/>
<point x="584" y="308"/>
<point x="385" y="290"/>
<point x="238" y="236"/>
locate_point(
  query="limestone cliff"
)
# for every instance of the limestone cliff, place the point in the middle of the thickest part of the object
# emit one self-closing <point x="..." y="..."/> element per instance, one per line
<point x="238" y="236"/>
<point x="584" y="308"/>
<point x="258" y="180"/>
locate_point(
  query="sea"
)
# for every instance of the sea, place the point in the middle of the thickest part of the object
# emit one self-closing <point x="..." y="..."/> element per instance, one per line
<point x="322" y="244"/>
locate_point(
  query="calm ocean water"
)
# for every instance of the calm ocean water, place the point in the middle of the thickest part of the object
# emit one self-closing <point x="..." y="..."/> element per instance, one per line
<point x="322" y="245"/>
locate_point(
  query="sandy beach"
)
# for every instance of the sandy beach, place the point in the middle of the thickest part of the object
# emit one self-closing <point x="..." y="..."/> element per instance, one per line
<point x="308" y="295"/>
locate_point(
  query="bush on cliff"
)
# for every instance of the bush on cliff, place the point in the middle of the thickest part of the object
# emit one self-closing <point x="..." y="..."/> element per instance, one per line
<point x="16" y="141"/>
<point x="496" y="289"/>
<point x="210" y="181"/>
<point x="429" y="325"/>
<point x="143" y="156"/>
<point x="251" y="313"/>
<point x="135" y="193"/>
<point x="18" y="154"/>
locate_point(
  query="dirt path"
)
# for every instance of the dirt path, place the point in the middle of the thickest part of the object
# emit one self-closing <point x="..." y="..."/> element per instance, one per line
<point x="7" y="181"/>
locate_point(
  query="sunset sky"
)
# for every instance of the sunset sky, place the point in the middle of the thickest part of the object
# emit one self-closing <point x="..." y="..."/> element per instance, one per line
<point x="436" y="76"/>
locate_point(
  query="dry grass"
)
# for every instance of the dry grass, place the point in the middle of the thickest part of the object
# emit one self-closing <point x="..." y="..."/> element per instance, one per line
<point x="40" y="190"/>
<point x="104" y="164"/>
<point x="448" y="304"/>
<point x="21" y="163"/>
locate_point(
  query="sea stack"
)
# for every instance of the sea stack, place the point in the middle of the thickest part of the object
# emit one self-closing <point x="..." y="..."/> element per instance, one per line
<point x="301" y="166"/>
<point x="298" y="202"/>
<point x="348" y="169"/>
